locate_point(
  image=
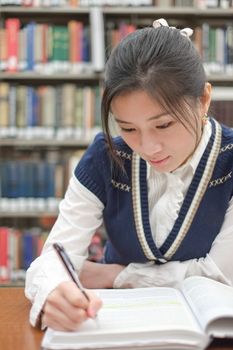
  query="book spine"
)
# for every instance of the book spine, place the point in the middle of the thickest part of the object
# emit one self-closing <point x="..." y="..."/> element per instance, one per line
<point x="30" y="32"/>
<point x="22" y="49"/>
<point x="12" y="35"/>
<point x="4" y="265"/>
<point x="4" y="105"/>
<point x="28" y="250"/>
<point x="3" y="50"/>
<point x="86" y="45"/>
<point x="49" y="179"/>
<point x="12" y="105"/>
<point x="21" y="94"/>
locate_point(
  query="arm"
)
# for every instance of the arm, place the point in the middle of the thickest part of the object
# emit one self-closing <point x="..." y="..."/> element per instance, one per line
<point x="216" y="265"/>
<point x="80" y="216"/>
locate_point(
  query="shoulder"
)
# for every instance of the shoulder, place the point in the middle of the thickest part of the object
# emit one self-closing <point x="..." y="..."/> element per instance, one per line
<point x="223" y="172"/>
<point x="94" y="170"/>
<point x="227" y="141"/>
<point x="100" y="147"/>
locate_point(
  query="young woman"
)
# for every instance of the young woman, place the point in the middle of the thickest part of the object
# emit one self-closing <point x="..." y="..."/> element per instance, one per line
<point x="163" y="188"/>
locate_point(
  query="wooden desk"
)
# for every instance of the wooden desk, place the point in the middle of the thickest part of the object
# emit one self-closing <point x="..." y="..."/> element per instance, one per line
<point x="15" y="330"/>
<point x="17" y="334"/>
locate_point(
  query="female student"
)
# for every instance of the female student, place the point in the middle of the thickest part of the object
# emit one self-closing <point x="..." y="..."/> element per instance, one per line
<point x="163" y="188"/>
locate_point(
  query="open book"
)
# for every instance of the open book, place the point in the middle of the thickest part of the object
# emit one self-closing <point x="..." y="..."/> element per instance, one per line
<point x="154" y="318"/>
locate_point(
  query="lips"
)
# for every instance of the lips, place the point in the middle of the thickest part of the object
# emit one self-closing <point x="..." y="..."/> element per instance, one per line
<point x="159" y="161"/>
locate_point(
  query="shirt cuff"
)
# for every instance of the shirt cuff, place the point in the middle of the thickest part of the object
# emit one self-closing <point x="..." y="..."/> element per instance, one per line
<point x="41" y="284"/>
<point x="150" y="275"/>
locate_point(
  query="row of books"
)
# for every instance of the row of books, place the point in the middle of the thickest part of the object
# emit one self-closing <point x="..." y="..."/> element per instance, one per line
<point x="36" y="181"/>
<point x="215" y="44"/>
<point x="18" y="248"/>
<point x="50" y="48"/>
<point x="48" y="111"/>
<point x="61" y="111"/>
<point x="42" y="46"/>
<point x="27" y="178"/>
<point x="160" y="3"/>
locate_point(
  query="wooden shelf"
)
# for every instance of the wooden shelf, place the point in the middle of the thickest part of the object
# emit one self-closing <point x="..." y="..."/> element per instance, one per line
<point x="168" y="11"/>
<point x="222" y="93"/>
<point x="70" y="143"/>
<point x="221" y="80"/>
<point x="21" y="10"/>
<point x="12" y="284"/>
<point x="88" y="76"/>
<point x="123" y="10"/>
<point x="28" y="214"/>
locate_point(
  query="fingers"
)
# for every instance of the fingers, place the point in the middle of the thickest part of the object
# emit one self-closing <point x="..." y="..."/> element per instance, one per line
<point x="95" y="304"/>
<point x="66" y="307"/>
<point x="59" y="320"/>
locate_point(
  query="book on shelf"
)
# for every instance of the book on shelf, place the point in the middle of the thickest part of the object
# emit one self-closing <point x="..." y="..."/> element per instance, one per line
<point x="4" y="104"/>
<point x="3" y="50"/>
<point x="3" y="255"/>
<point x="12" y="31"/>
<point x="154" y="318"/>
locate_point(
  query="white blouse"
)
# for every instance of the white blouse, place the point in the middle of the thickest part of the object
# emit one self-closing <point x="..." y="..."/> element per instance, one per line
<point x="81" y="215"/>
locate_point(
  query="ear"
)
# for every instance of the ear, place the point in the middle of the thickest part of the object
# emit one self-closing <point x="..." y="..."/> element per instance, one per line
<point x="205" y="99"/>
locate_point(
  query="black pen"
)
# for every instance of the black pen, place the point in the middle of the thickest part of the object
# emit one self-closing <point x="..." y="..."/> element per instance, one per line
<point x="69" y="267"/>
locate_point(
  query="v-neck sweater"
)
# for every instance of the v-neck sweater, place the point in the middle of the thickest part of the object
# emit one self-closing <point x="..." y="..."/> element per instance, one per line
<point x="125" y="199"/>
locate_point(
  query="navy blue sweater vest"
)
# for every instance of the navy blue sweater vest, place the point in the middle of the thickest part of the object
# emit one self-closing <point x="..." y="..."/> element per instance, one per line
<point x="125" y="199"/>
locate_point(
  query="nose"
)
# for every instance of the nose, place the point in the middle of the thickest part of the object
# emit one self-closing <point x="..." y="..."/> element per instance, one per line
<point x="150" y="144"/>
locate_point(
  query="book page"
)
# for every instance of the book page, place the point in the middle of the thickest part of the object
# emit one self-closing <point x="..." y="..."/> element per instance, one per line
<point x="163" y="308"/>
<point x="212" y="303"/>
<point x="136" y="316"/>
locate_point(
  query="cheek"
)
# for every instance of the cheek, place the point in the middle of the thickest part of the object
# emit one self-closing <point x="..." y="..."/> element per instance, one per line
<point x="130" y="139"/>
<point x="183" y="142"/>
<point x="187" y="144"/>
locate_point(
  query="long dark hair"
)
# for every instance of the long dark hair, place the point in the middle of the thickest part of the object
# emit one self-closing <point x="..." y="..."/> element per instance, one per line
<point x="161" y="62"/>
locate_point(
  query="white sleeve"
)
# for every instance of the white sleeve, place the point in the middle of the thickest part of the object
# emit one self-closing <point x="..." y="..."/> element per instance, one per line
<point x="79" y="217"/>
<point x="216" y="265"/>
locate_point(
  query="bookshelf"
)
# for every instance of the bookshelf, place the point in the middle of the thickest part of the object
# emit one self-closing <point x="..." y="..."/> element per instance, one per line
<point x="56" y="141"/>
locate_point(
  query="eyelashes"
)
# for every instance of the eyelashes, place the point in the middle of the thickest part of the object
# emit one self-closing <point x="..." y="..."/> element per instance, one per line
<point x="127" y="130"/>
<point x="162" y="126"/>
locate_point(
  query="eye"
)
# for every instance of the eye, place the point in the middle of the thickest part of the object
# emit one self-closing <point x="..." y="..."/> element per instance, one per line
<point x="164" y="126"/>
<point x="127" y="130"/>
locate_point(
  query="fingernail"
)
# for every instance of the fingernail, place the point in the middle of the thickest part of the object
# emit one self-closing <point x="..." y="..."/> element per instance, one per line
<point x="92" y="313"/>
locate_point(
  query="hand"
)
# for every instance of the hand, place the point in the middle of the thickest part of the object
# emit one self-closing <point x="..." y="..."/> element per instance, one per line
<point x="66" y="307"/>
<point x="95" y="275"/>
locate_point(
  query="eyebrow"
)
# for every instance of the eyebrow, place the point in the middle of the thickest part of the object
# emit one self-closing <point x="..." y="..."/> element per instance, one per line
<point x="151" y="118"/>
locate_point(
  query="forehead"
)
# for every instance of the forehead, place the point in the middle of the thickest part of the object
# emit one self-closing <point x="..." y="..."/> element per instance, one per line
<point x="135" y="103"/>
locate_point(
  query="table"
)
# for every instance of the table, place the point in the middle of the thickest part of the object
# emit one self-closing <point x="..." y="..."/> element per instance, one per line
<point x="15" y="330"/>
<point x="17" y="334"/>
